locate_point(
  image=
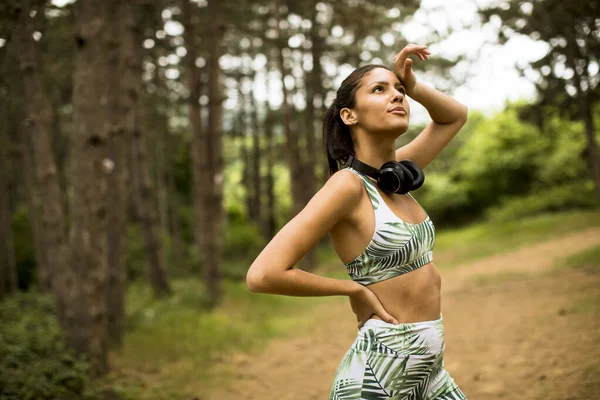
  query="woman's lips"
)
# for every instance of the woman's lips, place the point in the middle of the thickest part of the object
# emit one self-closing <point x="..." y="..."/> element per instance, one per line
<point x="398" y="110"/>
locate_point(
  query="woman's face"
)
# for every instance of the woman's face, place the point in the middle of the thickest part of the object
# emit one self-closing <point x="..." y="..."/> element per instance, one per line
<point x="381" y="105"/>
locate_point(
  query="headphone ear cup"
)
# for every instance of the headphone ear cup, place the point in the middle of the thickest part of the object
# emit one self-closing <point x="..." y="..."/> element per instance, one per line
<point x="416" y="172"/>
<point x="395" y="178"/>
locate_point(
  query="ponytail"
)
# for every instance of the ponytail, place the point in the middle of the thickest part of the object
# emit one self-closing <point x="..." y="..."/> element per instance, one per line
<point x="337" y="139"/>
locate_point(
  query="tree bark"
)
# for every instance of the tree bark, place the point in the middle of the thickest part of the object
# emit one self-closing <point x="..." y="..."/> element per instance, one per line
<point x="173" y="205"/>
<point x="160" y="157"/>
<point x="256" y="155"/>
<point x="31" y="185"/>
<point x="142" y="190"/>
<point x="89" y="209"/>
<point x="39" y="113"/>
<point x="248" y="177"/>
<point x="214" y="221"/>
<point x="7" y="253"/>
<point x="198" y="149"/>
<point x="315" y="90"/>
<point x="116" y="181"/>
<point x="291" y="134"/>
<point x="270" y="221"/>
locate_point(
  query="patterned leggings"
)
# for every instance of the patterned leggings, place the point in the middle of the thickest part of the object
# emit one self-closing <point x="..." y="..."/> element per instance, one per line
<point x="400" y="362"/>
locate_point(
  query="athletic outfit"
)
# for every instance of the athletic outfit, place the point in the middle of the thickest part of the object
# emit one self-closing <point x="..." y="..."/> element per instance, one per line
<point x="387" y="361"/>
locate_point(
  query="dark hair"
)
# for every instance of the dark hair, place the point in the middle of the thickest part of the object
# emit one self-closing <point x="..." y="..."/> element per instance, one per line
<point x="336" y="134"/>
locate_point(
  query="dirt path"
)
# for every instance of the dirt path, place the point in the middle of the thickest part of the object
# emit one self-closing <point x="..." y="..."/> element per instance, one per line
<point x="530" y="337"/>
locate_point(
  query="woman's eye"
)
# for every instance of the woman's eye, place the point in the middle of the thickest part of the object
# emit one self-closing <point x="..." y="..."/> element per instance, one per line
<point x="377" y="88"/>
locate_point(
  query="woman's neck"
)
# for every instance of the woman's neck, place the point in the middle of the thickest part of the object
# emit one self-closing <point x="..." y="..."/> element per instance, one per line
<point x="375" y="151"/>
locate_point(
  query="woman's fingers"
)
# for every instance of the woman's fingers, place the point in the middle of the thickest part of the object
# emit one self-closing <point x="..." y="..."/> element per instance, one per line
<point x="420" y="51"/>
<point x="407" y="66"/>
<point x="387" y="317"/>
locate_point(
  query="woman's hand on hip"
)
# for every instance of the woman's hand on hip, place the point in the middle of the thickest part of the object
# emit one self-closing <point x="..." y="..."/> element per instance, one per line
<point x="365" y="304"/>
<point x="403" y="65"/>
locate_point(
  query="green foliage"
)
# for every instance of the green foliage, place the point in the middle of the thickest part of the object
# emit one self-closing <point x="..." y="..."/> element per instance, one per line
<point x="445" y="199"/>
<point x="577" y="195"/>
<point x="504" y="167"/>
<point x="34" y="360"/>
<point x="587" y="260"/>
<point x="500" y="157"/>
<point x="565" y="160"/>
<point x="243" y="242"/>
<point x="135" y="258"/>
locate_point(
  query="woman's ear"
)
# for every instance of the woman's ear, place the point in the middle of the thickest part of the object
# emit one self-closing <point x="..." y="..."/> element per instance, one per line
<point x="348" y="116"/>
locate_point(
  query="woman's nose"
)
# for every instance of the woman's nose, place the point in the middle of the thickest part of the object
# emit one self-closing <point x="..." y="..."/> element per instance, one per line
<point x="398" y="97"/>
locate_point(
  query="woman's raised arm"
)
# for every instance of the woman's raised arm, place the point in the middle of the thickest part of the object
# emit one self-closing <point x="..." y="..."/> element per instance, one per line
<point x="448" y="115"/>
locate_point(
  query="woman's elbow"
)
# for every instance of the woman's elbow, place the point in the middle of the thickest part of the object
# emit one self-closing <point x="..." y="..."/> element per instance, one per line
<point x="464" y="114"/>
<point x="256" y="282"/>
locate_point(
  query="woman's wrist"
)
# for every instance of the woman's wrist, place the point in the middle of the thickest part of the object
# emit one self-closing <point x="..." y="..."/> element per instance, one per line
<point x="415" y="92"/>
<point x="354" y="288"/>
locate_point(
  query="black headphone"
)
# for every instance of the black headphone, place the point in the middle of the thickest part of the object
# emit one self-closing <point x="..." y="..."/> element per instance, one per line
<point x="394" y="176"/>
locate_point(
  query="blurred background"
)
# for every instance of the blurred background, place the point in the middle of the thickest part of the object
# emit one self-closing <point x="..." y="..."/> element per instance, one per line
<point x="149" y="149"/>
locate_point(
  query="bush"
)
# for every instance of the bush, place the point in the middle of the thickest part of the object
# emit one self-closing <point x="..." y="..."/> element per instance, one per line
<point x="242" y="244"/>
<point x="579" y="195"/>
<point x="34" y="360"/>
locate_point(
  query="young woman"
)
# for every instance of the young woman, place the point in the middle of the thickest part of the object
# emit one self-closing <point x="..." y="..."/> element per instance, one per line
<point x="381" y="234"/>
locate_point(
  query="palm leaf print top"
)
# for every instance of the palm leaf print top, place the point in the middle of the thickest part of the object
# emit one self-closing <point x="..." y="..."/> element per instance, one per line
<point x="397" y="246"/>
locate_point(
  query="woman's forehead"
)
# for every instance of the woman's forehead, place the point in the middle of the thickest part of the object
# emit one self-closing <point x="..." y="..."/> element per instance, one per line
<point x="380" y="75"/>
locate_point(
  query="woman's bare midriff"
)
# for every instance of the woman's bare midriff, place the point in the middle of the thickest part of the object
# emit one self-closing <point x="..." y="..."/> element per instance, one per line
<point x="412" y="297"/>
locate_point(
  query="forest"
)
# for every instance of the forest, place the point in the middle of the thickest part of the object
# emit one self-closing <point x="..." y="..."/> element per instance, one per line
<point x="151" y="148"/>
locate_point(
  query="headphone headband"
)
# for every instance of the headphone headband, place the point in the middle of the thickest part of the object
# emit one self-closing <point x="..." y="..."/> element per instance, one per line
<point x="360" y="166"/>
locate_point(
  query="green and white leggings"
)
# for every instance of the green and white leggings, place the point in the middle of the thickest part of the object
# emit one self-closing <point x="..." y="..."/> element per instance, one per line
<point x="400" y="362"/>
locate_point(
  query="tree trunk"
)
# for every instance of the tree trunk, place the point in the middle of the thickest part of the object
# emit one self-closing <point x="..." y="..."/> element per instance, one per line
<point x="173" y="206"/>
<point x="314" y="89"/>
<point x="116" y="181"/>
<point x="198" y="148"/>
<point x="256" y="155"/>
<point x="89" y="209"/>
<point x="215" y="213"/>
<point x="160" y="158"/>
<point x="7" y="253"/>
<point x="39" y="112"/>
<point x="584" y="109"/>
<point x="44" y="276"/>
<point x="143" y="192"/>
<point x="270" y="221"/>
<point x="291" y="134"/>
<point x="247" y="169"/>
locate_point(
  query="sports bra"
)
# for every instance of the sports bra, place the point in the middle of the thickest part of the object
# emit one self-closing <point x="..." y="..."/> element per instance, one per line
<point x="397" y="247"/>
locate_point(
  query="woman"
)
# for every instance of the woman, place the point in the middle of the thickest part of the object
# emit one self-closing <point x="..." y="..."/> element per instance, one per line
<point x="395" y="286"/>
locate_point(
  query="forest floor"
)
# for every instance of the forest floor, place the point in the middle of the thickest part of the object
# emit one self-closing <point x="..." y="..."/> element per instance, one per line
<point x="518" y="326"/>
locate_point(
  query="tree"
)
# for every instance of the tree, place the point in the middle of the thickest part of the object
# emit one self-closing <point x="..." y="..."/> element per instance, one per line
<point x="143" y="198"/>
<point x="116" y="183"/>
<point x="563" y="76"/>
<point x="214" y="145"/>
<point x="39" y="115"/>
<point x="89" y="209"/>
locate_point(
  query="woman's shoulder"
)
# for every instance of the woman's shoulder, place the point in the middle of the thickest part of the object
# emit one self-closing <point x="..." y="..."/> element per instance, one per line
<point x="345" y="184"/>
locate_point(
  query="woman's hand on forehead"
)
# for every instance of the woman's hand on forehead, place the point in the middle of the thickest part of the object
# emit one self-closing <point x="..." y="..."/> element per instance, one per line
<point x="403" y="64"/>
